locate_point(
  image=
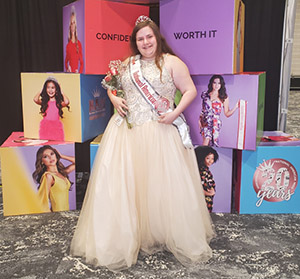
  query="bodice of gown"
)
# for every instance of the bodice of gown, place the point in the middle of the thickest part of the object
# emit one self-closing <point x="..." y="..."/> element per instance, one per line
<point x="59" y="193"/>
<point x="210" y="108"/>
<point x="52" y="111"/>
<point x="139" y="110"/>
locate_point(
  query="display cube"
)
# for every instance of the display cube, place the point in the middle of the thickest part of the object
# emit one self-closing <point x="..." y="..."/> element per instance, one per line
<point x="103" y="30"/>
<point x="26" y="165"/>
<point x="244" y="128"/>
<point x="94" y="145"/>
<point x="266" y="180"/>
<point x="221" y="171"/>
<point x="86" y="116"/>
<point x="207" y="35"/>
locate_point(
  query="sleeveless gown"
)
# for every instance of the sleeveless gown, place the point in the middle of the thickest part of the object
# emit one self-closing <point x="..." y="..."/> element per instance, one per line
<point x="59" y="193"/>
<point x="210" y="119"/>
<point x="51" y="128"/>
<point x="144" y="191"/>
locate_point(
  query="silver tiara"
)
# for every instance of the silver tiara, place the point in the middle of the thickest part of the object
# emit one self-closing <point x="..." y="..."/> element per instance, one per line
<point x="142" y="18"/>
<point x="50" y="78"/>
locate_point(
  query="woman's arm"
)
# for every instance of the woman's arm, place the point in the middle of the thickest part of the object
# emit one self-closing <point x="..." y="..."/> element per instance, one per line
<point x="37" y="98"/>
<point x="183" y="81"/>
<point x="71" y="159"/>
<point x="80" y="57"/>
<point x="44" y="191"/>
<point x="227" y="111"/>
<point x="67" y="60"/>
<point x="65" y="101"/>
<point x="119" y="103"/>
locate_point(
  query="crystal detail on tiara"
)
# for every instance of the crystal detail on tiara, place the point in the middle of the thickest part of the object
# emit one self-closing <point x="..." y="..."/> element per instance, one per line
<point x="142" y="18"/>
<point x="51" y="78"/>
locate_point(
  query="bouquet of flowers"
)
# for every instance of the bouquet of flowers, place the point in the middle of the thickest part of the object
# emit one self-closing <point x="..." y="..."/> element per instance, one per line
<point x="112" y="81"/>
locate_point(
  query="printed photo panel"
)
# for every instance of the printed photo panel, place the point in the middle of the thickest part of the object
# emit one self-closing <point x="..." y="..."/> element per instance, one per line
<point x="268" y="180"/>
<point x="23" y="163"/>
<point x="104" y="30"/>
<point x="242" y="128"/>
<point x="219" y="174"/>
<point x="85" y="116"/>
<point x="207" y="35"/>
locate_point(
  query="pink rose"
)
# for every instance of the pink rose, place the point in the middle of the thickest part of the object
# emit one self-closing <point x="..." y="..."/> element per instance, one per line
<point x="114" y="71"/>
<point x="108" y="78"/>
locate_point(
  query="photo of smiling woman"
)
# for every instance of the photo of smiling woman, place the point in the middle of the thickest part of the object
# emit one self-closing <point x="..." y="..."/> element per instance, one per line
<point x="52" y="101"/>
<point x="143" y="192"/>
<point x="213" y="100"/>
<point x="53" y="178"/>
<point x="74" y="58"/>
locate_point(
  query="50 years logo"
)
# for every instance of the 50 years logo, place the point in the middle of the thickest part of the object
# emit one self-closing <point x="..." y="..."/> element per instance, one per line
<point x="275" y="180"/>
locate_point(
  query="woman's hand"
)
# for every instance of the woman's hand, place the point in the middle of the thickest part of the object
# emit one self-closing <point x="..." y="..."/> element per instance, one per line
<point x="237" y="105"/>
<point x="167" y="118"/>
<point x="210" y="192"/>
<point x="119" y="104"/>
<point x="37" y="98"/>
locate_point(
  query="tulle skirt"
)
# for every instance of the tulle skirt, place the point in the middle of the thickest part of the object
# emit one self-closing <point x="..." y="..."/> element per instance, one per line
<point x="144" y="193"/>
<point x="51" y="130"/>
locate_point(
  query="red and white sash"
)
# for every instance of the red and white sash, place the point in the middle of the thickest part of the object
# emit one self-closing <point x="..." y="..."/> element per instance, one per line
<point x="242" y="124"/>
<point x="158" y="103"/>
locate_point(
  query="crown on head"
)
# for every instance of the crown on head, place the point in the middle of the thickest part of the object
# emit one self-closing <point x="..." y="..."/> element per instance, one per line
<point x="142" y="18"/>
<point x="50" y="78"/>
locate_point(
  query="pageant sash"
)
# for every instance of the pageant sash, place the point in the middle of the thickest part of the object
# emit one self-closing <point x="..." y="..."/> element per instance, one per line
<point x="242" y="124"/>
<point x="158" y="103"/>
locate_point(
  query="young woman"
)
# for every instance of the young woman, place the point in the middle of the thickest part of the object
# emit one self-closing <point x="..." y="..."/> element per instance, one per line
<point x="74" y="60"/>
<point x="52" y="177"/>
<point x="143" y="192"/>
<point x="213" y="100"/>
<point x="52" y="101"/>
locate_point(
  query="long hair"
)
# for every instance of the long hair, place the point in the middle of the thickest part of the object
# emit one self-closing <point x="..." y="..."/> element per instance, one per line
<point x="73" y="14"/>
<point x="222" y="91"/>
<point x="58" y="97"/>
<point x="202" y="152"/>
<point x="40" y="168"/>
<point x="162" y="45"/>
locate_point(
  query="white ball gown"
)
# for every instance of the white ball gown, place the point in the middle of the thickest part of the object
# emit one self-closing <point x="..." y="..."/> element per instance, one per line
<point x="144" y="191"/>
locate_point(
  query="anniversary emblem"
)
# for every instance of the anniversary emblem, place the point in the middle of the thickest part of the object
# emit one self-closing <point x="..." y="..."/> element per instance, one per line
<point x="275" y="180"/>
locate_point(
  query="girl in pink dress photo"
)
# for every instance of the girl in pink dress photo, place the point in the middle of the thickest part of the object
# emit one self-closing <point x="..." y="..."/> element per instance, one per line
<point x="52" y="101"/>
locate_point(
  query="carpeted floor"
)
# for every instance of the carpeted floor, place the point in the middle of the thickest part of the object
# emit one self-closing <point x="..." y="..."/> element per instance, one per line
<point x="245" y="246"/>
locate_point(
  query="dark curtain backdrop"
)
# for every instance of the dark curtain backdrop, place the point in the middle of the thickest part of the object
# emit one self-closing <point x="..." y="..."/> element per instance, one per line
<point x="263" y="39"/>
<point x="31" y="41"/>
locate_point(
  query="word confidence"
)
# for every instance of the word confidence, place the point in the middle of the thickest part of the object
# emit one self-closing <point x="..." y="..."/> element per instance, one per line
<point x="113" y="37"/>
<point x="195" y="34"/>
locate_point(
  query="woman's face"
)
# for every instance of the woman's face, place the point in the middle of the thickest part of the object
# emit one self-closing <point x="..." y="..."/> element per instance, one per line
<point x="209" y="160"/>
<point x="72" y="24"/>
<point x="216" y="85"/>
<point x="146" y="42"/>
<point x="51" y="89"/>
<point x="49" y="158"/>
